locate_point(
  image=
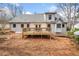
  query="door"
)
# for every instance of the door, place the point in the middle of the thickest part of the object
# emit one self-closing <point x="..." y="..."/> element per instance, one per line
<point x="58" y="28"/>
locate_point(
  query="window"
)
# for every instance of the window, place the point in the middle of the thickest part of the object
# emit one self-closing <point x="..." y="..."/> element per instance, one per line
<point x="27" y="25"/>
<point x="63" y="25"/>
<point x="14" y="25"/>
<point x="55" y="18"/>
<point x="50" y="17"/>
<point x="39" y="26"/>
<point x="58" y="25"/>
<point x="22" y="25"/>
<point x="48" y="25"/>
<point x="36" y="26"/>
<point x="59" y="18"/>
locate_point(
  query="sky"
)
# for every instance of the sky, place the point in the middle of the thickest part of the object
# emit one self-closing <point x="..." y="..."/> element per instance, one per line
<point x="34" y="7"/>
<point x="38" y="7"/>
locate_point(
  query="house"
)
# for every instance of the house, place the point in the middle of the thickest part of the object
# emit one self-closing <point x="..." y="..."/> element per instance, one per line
<point x="49" y="21"/>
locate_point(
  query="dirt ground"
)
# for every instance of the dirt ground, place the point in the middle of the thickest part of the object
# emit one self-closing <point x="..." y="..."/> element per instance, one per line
<point x="38" y="47"/>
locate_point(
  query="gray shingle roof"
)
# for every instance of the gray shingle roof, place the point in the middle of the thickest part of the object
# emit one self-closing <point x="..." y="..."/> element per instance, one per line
<point x="32" y="18"/>
<point x="29" y="18"/>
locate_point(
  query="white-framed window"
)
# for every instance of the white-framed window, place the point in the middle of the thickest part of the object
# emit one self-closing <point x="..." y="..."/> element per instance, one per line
<point x="50" y="17"/>
<point x="58" y="25"/>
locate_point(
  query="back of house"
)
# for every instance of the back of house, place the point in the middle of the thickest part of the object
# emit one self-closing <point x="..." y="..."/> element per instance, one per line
<point x="49" y="21"/>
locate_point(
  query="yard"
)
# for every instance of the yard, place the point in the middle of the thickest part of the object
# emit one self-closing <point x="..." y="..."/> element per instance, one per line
<point x="38" y="47"/>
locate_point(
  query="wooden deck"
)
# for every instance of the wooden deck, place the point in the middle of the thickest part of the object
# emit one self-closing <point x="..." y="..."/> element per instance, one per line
<point x="51" y="35"/>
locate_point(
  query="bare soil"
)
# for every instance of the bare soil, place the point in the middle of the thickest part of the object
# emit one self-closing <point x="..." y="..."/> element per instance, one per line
<point x="16" y="46"/>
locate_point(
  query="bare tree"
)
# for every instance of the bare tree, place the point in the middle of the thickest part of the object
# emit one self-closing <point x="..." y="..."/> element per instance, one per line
<point x="69" y="10"/>
<point x="3" y="19"/>
<point x="15" y="9"/>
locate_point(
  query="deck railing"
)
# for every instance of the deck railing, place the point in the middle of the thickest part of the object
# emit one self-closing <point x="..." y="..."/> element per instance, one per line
<point x="35" y="29"/>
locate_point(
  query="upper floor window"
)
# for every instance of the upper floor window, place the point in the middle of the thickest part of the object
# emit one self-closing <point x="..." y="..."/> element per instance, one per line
<point x="58" y="25"/>
<point x="59" y="18"/>
<point x="63" y="25"/>
<point x="50" y="17"/>
<point x="14" y="25"/>
<point x="22" y="25"/>
<point x="55" y="18"/>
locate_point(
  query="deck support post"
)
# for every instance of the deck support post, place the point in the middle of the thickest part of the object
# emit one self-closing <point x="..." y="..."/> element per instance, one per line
<point x="41" y="35"/>
<point x="31" y="36"/>
<point x="22" y="35"/>
<point x="50" y="37"/>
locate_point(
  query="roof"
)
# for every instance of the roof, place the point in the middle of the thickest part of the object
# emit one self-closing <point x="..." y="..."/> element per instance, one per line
<point x="29" y="18"/>
<point x="32" y="18"/>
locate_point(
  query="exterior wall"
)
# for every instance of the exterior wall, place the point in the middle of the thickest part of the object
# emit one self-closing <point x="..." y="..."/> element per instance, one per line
<point x="55" y="29"/>
<point x="64" y="29"/>
<point x="32" y="26"/>
<point x="47" y="17"/>
<point x="52" y="28"/>
<point x="17" y="29"/>
<point x="44" y="26"/>
<point x="25" y="25"/>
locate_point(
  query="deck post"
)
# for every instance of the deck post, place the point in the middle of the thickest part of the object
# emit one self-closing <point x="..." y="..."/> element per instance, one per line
<point x="41" y="35"/>
<point x="22" y="35"/>
<point x="50" y="37"/>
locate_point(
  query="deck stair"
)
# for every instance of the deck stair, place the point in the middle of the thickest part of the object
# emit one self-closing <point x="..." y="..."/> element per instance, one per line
<point x="53" y="35"/>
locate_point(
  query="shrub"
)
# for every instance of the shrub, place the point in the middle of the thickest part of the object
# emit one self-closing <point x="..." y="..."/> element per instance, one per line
<point x="77" y="39"/>
<point x="71" y="32"/>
